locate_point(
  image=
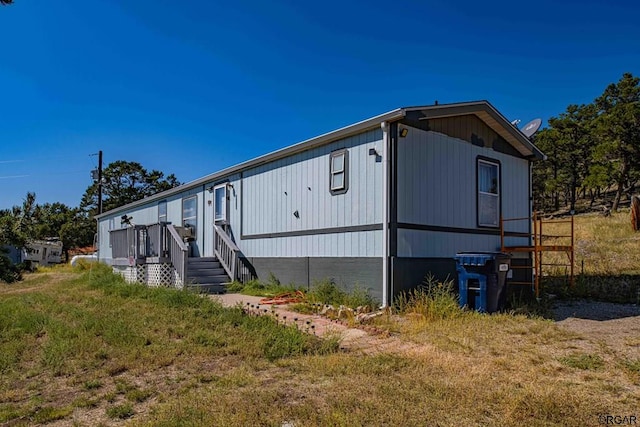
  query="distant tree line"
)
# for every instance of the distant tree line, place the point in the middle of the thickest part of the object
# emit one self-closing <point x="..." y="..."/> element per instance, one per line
<point x="123" y="182"/>
<point x="592" y="150"/>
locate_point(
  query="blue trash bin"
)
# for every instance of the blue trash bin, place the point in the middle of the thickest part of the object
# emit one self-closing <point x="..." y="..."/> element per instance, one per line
<point x="482" y="279"/>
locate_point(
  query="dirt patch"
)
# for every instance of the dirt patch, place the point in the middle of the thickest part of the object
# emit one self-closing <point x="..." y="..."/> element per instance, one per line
<point x="33" y="282"/>
<point x="614" y="326"/>
<point x="363" y="338"/>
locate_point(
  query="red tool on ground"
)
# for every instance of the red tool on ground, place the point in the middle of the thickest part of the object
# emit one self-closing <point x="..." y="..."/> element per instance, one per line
<point x="284" y="298"/>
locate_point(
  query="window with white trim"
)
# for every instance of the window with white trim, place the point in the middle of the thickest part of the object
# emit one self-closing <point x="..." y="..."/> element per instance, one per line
<point x="190" y="213"/>
<point x="488" y="193"/>
<point x="112" y="226"/>
<point x="339" y="171"/>
<point x="220" y="203"/>
<point x="162" y="211"/>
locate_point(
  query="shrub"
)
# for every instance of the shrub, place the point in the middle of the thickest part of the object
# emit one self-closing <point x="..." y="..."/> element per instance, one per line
<point x="120" y="411"/>
<point x="590" y="362"/>
<point x="327" y="292"/>
<point x="433" y="300"/>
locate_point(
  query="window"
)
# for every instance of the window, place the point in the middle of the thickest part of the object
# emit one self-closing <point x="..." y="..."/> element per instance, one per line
<point x="339" y="172"/>
<point x="190" y="213"/>
<point x="112" y="226"/>
<point x="220" y="200"/>
<point x="162" y="211"/>
<point x="488" y="193"/>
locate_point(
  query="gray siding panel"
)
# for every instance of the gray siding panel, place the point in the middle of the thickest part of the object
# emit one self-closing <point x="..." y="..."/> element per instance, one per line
<point x="437" y="187"/>
<point x="273" y="192"/>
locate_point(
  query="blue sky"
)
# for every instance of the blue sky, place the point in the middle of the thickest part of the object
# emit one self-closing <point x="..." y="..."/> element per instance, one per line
<point x="192" y="87"/>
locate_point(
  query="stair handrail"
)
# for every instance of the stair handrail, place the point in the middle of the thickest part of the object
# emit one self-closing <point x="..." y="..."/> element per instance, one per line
<point x="226" y="251"/>
<point x="178" y="253"/>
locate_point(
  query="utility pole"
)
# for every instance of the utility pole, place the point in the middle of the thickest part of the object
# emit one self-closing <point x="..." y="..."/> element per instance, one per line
<point x="99" y="182"/>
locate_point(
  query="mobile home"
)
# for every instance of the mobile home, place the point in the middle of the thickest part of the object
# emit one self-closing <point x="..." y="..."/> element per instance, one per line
<point x="38" y="252"/>
<point x="377" y="204"/>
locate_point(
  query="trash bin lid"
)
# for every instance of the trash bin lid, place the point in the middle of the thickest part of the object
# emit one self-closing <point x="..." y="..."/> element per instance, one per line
<point x="473" y="258"/>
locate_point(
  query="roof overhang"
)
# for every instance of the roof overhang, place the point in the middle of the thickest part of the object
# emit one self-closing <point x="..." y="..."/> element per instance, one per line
<point x="490" y="116"/>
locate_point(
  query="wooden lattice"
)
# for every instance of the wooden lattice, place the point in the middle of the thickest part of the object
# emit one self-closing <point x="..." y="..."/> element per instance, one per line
<point x="160" y="275"/>
<point x="153" y="275"/>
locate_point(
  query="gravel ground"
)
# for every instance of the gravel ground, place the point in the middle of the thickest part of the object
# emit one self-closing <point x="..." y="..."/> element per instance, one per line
<point x="616" y="326"/>
<point x="594" y="310"/>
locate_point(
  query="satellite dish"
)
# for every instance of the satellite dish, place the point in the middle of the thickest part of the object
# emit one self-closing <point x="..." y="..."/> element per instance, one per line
<point x="532" y="127"/>
<point x="516" y="122"/>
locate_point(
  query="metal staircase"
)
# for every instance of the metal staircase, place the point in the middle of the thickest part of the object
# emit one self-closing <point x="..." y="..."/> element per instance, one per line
<point x="558" y="236"/>
<point x="206" y="275"/>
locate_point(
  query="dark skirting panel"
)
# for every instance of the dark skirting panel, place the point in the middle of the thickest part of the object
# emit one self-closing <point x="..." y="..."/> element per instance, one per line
<point x="347" y="273"/>
<point x="409" y="273"/>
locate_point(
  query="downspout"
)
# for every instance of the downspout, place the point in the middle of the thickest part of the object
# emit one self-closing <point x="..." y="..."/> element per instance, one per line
<point x="385" y="213"/>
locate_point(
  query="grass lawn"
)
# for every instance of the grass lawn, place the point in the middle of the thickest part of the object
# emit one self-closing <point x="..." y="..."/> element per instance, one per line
<point x="87" y="349"/>
<point x="84" y="348"/>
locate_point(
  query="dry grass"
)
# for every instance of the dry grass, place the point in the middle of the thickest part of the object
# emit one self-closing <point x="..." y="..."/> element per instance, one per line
<point x="603" y="245"/>
<point x="153" y="358"/>
<point x="607" y="265"/>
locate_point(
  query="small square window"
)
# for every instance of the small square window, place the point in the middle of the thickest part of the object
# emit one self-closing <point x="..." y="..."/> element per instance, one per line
<point x="339" y="172"/>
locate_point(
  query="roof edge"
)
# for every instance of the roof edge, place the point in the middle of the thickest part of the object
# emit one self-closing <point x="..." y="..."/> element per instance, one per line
<point x="305" y="145"/>
<point x="486" y="106"/>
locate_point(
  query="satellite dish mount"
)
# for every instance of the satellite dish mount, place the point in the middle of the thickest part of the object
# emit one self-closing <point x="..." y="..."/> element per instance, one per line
<point x="532" y="127"/>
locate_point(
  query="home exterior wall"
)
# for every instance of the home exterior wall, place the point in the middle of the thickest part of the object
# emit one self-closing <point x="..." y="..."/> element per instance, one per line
<point x="327" y="225"/>
<point x="436" y="199"/>
<point x="334" y="237"/>
<point x="286" y="222"/>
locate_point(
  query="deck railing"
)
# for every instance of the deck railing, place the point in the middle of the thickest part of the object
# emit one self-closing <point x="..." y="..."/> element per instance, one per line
<point x="157" y="240"/>
<point x="178" y="252"/>
<point x="228" y="255"/>
<point x="129" y="242"/>
<point x="226" y="251"/>
<point x="163" y="241"/>
<point x="119" y="241"/>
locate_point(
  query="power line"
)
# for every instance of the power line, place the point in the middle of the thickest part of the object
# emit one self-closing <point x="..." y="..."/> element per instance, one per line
<point x="38" y="175"/>
<point x="35" y="159"/>
<point x="14" y="176"/>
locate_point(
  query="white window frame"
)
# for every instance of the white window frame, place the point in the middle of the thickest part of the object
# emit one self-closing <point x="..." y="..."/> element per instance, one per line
<point x="160" y="217"/>
<point x="111" y="226"/>
<point x="194" y="216"/>
<point x="344" y="172"/>
<point x="491" y="194"/>
<point x="222" y="218"/>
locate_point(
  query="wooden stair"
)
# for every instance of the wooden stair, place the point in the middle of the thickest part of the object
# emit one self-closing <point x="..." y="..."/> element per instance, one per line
<point x="206" y="275"/>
